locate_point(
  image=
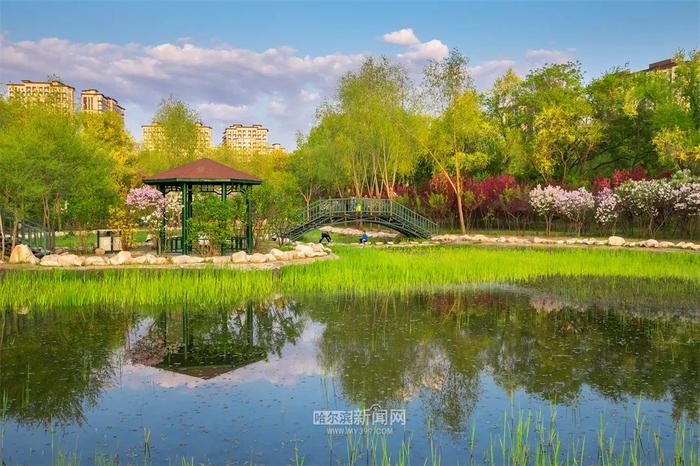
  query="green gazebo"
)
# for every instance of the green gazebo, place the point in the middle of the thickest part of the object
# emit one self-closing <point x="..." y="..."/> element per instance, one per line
<point x="208" y="176"/>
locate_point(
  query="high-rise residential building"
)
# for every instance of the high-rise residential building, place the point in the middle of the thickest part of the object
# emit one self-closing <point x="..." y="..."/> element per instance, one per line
<point x="150" y="134"/>
<point x="54" y="92"/>
<point x="667" y="66"/>
<point x="277" y="147"/>
<point x="204" y="135"/>
<point x="246" y="138"/>
<point x="92" y="101"/>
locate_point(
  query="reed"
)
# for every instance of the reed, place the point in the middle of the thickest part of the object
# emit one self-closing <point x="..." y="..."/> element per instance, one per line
<point x="359" y="271"/>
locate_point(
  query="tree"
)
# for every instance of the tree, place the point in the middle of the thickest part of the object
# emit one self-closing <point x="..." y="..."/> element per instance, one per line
<point x="177" y="137"/>
<point x="49" y="168"/>
<point x="557" y="121"/>
<point x="459" y="138"/>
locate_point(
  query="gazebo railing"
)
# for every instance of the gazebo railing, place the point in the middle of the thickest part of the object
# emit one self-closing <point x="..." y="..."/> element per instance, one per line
<point x="235" y="243"/>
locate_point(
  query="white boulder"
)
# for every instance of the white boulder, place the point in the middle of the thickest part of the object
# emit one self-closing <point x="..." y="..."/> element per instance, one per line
<point x="257" y="258"/>
<point x="616" y="241"/>
<point x="277" y="253"/>
<point x="122" y="258"/>
<point x="239" y="257"/>
<point x="96" y="261"/>
<point x="21" y="254"/>
<point x="50" y="260"/>
<point x="650" y="243"/>
<point x="221" y="259"/>
<point x="70" y="260"/>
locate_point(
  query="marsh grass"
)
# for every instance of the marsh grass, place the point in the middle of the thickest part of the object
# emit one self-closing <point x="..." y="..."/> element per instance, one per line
<point x="359" y="271"/>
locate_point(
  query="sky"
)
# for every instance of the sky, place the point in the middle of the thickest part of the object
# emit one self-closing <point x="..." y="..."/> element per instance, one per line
<point x="273" y="63"/>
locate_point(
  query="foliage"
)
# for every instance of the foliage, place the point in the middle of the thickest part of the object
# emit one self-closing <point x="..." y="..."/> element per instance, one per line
<point x="211" y="226"/>
<point x="649" y="200"/>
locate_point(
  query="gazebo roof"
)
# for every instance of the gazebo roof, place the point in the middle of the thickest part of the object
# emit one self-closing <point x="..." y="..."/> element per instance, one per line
<point x="202" y="171"/>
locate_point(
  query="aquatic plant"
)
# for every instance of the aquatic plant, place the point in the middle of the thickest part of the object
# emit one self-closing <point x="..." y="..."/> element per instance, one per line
<point x="359" y="271"/>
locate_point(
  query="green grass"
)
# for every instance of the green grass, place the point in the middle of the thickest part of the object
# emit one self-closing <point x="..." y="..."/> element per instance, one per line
<point x="359" y="270"/>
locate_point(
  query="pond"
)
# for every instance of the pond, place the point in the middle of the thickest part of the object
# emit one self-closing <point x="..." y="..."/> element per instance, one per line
<point x="442" y="377"/>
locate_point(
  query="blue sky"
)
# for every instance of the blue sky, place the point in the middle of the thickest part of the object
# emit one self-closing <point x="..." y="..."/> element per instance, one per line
<point x="274" y="62"/>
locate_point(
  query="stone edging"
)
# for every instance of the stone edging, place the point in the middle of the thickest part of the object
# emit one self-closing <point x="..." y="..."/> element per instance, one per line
<point x="614" y="241"/>
<point x="301" y="253"/>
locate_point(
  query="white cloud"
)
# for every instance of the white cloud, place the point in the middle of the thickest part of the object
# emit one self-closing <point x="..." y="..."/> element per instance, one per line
<point x="548" y="55"/>
<point x="404" y="36"/>
<point x="431" y="50"/>
<point x="222" y="112"/>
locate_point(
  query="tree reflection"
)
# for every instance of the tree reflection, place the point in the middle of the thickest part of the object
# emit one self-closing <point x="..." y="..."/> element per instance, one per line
<point x="389" y="349"/>
<point x="54" y="365"/>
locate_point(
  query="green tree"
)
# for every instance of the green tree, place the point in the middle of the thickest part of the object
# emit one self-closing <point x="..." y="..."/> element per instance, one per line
<point x="460" y="139"/>
<point x="556" y="117"/>
<point x="177" y="140"/>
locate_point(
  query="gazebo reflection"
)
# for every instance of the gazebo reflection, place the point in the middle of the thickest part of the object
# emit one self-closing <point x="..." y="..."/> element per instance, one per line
<point x="207" y="344"/>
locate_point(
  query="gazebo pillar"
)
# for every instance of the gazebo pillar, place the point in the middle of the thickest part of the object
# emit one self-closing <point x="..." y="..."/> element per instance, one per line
<point x="185" y="217"/>
<point x="248" y="219"/>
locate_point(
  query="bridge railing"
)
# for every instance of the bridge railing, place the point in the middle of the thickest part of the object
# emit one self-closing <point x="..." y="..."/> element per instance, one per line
<point x="358" y="208"/>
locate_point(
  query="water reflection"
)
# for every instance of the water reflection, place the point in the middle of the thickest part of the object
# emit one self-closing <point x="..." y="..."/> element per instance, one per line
<point x="208" y="343"/>
<point x="443" y="355"/>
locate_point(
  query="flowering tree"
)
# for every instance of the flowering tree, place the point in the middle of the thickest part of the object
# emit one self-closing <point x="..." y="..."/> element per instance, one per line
<point x="545" y="202"/>
<point x="575" y="205"/>
<point x="149" y="205"/>
<point x="607" y="207"/>
<point x="650" y="200"/>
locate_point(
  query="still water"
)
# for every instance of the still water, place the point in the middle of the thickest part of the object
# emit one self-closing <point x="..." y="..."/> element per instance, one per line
<point x="299" y="377"/>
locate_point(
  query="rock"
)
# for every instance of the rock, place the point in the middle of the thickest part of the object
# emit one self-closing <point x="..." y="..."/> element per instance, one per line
<point x="50" y="260"/>
<point x="277" y="253"/>
<point x="560" y="241"/>
<point x="537" y="240"/>
<point x="650" y="243"/>
<point x="288" y="256"/>
<point x="239" y="257"/>
<point x="157" y="260"/>
<point x="185" y="259"/>
<point x="98" y="261"/>
<point x="271" y="257"/>
<point x="666" y="244"/>
<point x="140" y="260"/>
<point x="317" y="247"/>
<point x="99" y="252"/>
<point x="121" y="258"/>
<point x="601" y="243"/>
<point x="221" y="259"/>
<point x="695" y="247"/>
<point x="257" y="258"/>
<point x="70" y="260"/>
<point x="616" y="241"/>
<point x="306" y="250"/>
<point x="21" y="254"/>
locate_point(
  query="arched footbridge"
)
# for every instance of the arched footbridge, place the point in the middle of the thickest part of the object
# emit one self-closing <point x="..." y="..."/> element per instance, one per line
<point x="383" y="212"/>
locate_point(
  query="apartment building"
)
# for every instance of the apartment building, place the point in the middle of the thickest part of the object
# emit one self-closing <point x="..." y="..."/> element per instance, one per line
<point x="93" y="101"/>
<point x="54" y="92"/>
<point x="246" y="138"/>
<point x="204" y="135"/>
<point x="667" y="66"/>
<point x="151" y="134"/>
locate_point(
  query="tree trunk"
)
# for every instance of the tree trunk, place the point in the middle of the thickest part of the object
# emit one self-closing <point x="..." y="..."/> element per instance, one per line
<point x="2" y="237"/>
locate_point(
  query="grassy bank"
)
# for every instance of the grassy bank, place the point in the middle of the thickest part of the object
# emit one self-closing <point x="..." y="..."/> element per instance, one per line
<point x="359" y="270"/>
